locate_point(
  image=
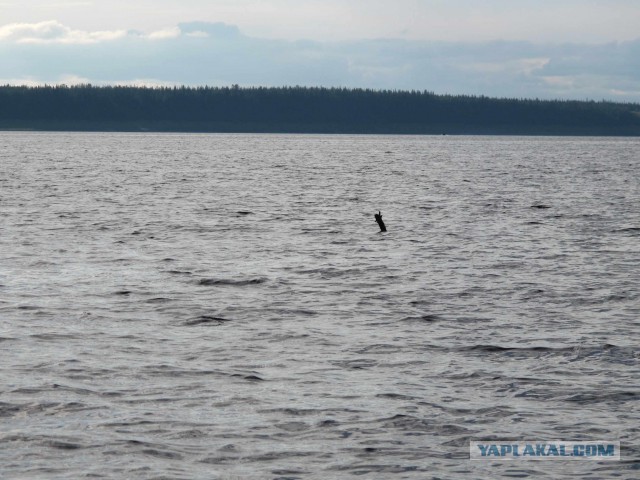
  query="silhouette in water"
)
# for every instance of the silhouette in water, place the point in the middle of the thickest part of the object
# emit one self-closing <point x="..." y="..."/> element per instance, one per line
<point x="378" y="217"/>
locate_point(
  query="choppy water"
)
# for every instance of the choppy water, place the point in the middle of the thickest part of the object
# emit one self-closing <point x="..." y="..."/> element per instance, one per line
<point x="224" y="306"/>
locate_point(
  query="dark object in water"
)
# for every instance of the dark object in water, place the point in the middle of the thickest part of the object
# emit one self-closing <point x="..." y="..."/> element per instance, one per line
<point x="206" y="320"/>
<point x="378" y="217"/>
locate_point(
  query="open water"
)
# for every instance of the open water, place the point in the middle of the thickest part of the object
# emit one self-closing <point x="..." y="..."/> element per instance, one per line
<point x="224" y="306"/>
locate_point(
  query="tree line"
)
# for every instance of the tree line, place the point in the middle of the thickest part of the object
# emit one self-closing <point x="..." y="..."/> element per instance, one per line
<point x="304" y="110"/>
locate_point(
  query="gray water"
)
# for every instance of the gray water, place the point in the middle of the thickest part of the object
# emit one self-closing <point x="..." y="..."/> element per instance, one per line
<point x="224" y="306"/>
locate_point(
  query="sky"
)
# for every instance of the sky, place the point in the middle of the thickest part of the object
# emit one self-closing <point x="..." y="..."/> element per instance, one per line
<point x="568" y="49"/>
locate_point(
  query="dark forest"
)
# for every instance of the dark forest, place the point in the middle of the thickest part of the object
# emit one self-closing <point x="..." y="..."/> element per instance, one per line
<point x="303" y="110"/>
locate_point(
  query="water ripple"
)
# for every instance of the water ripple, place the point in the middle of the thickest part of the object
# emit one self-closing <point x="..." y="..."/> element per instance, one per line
<point x="224" y="306"/>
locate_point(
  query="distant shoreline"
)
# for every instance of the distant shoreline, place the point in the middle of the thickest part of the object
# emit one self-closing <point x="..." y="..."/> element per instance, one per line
<point x="304" y="110"/>
<point x="462" y="132"/>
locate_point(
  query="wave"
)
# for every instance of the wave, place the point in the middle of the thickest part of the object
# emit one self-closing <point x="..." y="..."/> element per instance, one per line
<point x="212" y="282"/>
<point x="206" y="320"/>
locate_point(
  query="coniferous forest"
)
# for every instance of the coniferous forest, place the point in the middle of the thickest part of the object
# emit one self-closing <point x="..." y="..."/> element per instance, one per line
<point x="303" y="110"/>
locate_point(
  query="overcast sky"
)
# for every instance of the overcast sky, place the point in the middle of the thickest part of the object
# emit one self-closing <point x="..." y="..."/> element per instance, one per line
<point x="523" y="48"/>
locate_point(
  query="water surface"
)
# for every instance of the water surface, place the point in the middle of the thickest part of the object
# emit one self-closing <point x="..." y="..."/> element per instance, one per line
<point x="224" y="306"/>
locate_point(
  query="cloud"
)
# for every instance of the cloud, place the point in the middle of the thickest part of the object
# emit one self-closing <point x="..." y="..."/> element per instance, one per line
<point x="526" y="66"/>
<point x="71" y="80"/>
<point x="197" y="34"/>
<point x="559" y="81"/>
<point x="22" y="82"/>
<point x="65" y="79"/>
<point x="205" y="29"/>
<point x="54" y="32"/>
<point x="199" y="53"/>
<point x="592" y="21"/>
<point x="173" y="32"/>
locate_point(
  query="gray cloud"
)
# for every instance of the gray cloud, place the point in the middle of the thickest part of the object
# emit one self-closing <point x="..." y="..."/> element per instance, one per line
<point x="199" y="53"/>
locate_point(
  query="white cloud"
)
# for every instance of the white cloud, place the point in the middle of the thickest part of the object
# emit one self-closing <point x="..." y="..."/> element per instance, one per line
<point x="22" y="82"/>
<point x="66" y="79"/>
<point x="53" y="31"/>
<point x="25" y="31"/>
<point x="164" y="34"/>
<point x="71" y="79"/>
<point x="142" y="82"/>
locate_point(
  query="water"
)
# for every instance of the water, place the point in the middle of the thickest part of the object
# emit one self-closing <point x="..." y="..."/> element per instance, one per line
<point x="224" y="306"/>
